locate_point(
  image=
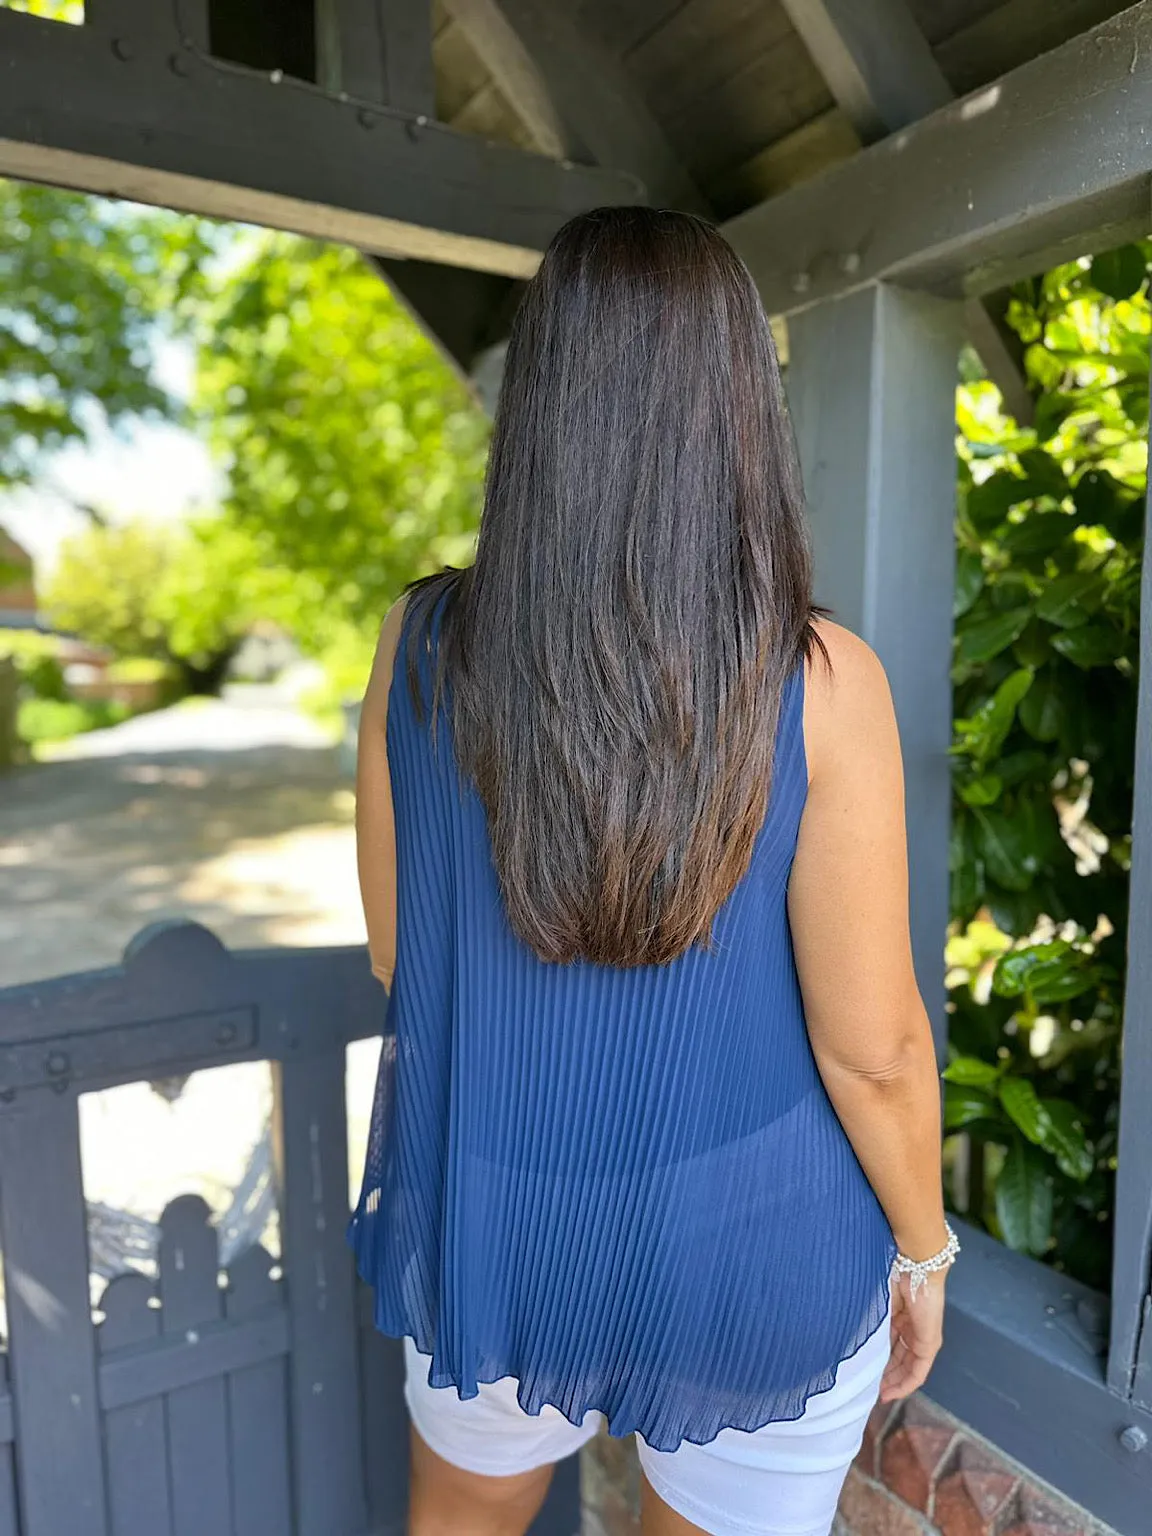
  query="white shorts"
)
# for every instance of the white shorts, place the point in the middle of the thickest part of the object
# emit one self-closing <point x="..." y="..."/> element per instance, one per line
<point x="781" y="1480"/>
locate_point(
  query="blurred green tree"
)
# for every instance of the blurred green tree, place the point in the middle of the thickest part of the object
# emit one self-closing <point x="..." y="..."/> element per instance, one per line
<point x="71" y="11"/>
<point x="352" y="449"/>
<point x="84" y="284"/>
<point x="186" y="595"/>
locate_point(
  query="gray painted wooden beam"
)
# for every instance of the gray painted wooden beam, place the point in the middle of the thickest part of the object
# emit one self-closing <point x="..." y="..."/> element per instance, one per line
<point x="463" y="312"/>
<point x="874" y="59"/>
<point x="883" y="75"/>
<point x="577" y="95"/>
<point x="379" y="51"/>
<point x="1130" y="1357"/>
<point x="1048" y="162"/>
<point x="1002" y="353"/>
<point x="517" y="75"/>
<point x="142" y="22"/>
<point x="871" y="383"/>
<point x="191" y="133"/>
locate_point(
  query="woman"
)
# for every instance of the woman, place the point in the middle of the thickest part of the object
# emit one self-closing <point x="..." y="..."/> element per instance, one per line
<point x="656" y="1138"/>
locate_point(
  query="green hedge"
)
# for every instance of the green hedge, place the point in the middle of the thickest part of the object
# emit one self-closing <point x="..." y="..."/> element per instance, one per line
<point x="1050" y="536"/>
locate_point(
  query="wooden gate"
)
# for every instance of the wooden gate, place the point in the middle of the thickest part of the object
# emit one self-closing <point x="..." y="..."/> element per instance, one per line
<point x="257" y="1400"/>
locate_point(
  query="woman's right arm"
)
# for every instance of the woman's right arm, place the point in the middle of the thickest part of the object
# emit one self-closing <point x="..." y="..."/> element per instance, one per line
<point x="848" y="909"/>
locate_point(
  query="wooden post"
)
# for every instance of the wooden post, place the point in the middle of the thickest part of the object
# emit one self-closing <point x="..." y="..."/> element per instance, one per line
<point x="872" y="382"/>
<point x="43" y="1234"/>
<point x="1130" y="1351"/>
<point x="312" y="1154"/>
<point x="9" y="741"/>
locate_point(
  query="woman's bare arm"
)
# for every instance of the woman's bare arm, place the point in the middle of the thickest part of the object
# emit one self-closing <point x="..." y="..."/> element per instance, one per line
<point x="848" y="908"/>
<point x="375" y="828"/>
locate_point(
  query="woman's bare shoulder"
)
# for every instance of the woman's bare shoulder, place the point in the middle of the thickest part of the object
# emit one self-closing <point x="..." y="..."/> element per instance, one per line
<point x="848" y="703"/>
<point x="383" y="662"/>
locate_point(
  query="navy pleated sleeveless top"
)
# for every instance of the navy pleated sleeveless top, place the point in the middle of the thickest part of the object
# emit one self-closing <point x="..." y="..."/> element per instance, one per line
<point x="626" y="1187"/>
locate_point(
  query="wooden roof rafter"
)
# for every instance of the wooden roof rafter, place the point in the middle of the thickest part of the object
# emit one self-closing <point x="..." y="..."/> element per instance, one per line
<point x="884" y="76"/>
<point x="940" y="206"/>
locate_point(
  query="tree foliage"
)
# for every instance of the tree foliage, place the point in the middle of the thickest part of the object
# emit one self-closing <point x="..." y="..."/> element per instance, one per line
<point x="185" y="594"/>
<point x="352" y="449"/>
<point x="84" y="283"/>
<point x="1050" y="538"/>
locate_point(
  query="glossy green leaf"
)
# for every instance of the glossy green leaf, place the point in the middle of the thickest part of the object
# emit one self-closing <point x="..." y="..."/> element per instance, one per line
<point x="969" y="581"/>
<point x="966" y="887"/>
<point x="1008" y="856"/>
<point x="988" y="504"/>
<point x="1032" y="648"/>
<point x="983" y="734"/>
<point x="983" y="638"/>
<point x="1120" y="273"/>
<point x="1026" y="764"/>
<point x="985" y="790"/>
<point x="1024" y="1199"/>
<point x="1090" y="645"/>
<point x="966" y="868"/>
<point x="1063" y="985"/>
<point x="1097" y="495"/>
<point x="1126" y="521"/>
<point x="965" y="1103"/>
<point x="1043" y="711"/>
<point x="1021" y="1104"/>
<point x="1070" y="600"/>
<point x="1043" y="475"/>
<point x="1021" y="970"/>
<point x="971" y="1072"/>
<point x="1039" y="534"/>
<point x="1013" y="911"/>
<point x="1064" y="1137"/>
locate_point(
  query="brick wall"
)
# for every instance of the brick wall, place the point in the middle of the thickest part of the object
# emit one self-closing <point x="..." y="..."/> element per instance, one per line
<point x="920" y="1472"/>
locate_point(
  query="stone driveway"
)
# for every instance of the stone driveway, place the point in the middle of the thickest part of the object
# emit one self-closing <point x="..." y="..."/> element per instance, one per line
<point x="233" y="812"/>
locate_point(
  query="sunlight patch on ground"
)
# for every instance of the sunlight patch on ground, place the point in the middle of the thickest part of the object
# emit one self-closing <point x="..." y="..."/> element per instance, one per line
<point x="302" y="883"/>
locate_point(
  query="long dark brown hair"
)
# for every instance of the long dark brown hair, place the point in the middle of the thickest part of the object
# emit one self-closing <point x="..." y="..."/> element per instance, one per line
<point x="615" y="656"/>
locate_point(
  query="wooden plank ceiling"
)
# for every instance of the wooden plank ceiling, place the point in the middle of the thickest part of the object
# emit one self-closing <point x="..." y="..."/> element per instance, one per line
<point x="732" y="86"/>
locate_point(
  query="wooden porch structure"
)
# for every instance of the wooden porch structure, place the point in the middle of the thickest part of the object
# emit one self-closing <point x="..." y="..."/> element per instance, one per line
<point x="885" y="167"/>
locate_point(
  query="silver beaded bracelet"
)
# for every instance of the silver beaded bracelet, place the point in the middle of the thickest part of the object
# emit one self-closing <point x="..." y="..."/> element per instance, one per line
<point x="920" y="1269"/>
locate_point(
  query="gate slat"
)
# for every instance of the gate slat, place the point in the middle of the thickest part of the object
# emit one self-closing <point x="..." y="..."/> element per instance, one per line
<point x="327" y="1444"/>
<point x="8" y="1525"/>
<point x="43" y="1233"/>
<point x="197" y="1415"/>
<point x="258" y="1412"/>
<point x="7" y="1470"/>
<point x="134" y="1438"/>
<point x="385" y="1422"/>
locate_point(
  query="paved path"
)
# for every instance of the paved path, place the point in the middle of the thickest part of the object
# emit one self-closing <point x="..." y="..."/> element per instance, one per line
<point x="233" y="812"/>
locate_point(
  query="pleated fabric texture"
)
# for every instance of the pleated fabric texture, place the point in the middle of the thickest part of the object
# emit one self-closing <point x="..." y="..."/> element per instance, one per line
<point x="627" y="1188"/>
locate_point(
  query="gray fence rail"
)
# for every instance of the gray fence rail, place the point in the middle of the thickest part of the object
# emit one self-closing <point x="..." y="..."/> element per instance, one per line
<point x="257" y="1400"/>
